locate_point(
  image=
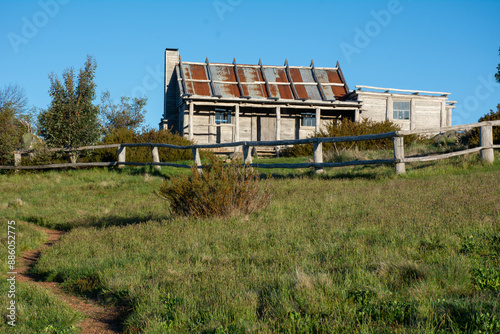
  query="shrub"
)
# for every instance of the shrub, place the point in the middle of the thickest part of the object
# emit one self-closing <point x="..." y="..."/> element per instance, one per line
<point x="12" y="127"/>
<point x="471" y="137"/>
<point x="220" y="190"/>
<point x="143" y="154"/>
<point x="10" y="136"/>
<point x="346" y="127"/>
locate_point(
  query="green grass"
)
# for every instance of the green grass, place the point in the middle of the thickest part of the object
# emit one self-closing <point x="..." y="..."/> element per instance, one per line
<point x="37" y="311"/>
<point x="64" y="200"/>
<point x="354" y="250"/>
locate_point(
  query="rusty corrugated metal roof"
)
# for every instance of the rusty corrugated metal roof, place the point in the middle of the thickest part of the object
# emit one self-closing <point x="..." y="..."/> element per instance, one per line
<point x="224" y="80"/>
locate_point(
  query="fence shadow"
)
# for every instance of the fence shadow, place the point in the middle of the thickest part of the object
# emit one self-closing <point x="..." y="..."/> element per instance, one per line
<point x="96" y="221"/>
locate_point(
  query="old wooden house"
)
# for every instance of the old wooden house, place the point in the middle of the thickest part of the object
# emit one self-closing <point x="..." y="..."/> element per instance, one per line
<point x="227" y="102"/>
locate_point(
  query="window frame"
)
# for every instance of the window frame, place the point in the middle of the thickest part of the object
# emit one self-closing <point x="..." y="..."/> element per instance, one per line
<point x="308" y="118"/>
<point x="401" y="111"/>
<point x="223" y="116"/>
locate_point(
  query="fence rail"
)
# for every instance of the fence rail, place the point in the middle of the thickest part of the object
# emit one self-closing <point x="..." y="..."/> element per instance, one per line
<point x="486" y="151"/>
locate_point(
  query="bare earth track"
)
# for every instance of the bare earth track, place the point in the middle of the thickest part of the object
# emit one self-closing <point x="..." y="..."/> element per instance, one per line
<point x="99" y="319"/>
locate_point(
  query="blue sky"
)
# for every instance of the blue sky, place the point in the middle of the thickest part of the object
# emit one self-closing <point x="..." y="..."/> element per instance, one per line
<point x="446" y="46"/>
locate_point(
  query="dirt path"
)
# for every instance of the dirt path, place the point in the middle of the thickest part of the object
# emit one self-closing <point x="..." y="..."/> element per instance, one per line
<point x="99" y="319"/>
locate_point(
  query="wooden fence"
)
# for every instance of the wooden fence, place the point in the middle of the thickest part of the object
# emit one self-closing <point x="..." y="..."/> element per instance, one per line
<point x="485" y="148"/>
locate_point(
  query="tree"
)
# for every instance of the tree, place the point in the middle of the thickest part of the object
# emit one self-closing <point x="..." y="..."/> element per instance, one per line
<point x="12" y="123"/>
<point x="71" y="119"/>
<point x="126" y="115"/>
<point x="497" y="75"/>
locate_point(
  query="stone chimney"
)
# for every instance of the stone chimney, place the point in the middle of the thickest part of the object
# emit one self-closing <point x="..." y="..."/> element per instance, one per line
<point x="170" y="112"/>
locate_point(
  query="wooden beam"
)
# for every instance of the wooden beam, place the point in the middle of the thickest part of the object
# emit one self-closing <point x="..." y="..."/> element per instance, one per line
<point x="289" y="76"/>
<point x="215" y="92"/>
<point x="247" y="154"/>
<point x="443" y="114"/>
<point x="318" y="120"/>
<point x="197" y="160"/>
<point x="268" y="90"/>
<point x="389" y="111"/>
<point x="190" y="120"/>
<point x="183" y="77"/>
<point x="486" y="141"/>
<point x="318" y="156"/>
<point x="156" y="156"/>
<point x="315" y="77"/>
<point x="278" y="123"/>
<point x="413" y="109"/>
<point x="402" y="90"/>
<point x="448" y="128"/>
<point x="240" y="88"/>
<point x="237" y="122"/>
<point x="399" y="154"/>
<point x="441" y="156"/>
<point x="342" y="77"/>
<point x="122" y="155"/>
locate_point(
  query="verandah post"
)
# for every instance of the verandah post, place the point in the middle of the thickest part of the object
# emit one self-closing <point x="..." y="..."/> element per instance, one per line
<point x="486" y="141"/>
<point x="399" y="154"/>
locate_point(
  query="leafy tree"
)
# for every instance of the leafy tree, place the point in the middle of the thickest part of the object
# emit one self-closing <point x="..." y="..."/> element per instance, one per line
<point x="12" y="123"/>
<point x="497" y="75"/>
<point x="471" y="137"/>
<point x="126" y="115"/>
<point x="492" y="116"/>
<point x="71" y="119"/>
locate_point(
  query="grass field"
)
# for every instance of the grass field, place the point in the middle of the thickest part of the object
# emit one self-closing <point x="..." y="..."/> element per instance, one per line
<point x="355" y="250"/>
<point x="37" y="311"/>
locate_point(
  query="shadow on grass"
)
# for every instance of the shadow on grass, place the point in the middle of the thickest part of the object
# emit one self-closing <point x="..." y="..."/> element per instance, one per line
<point x="99" y="222"/>
<point x="370" y="172"/>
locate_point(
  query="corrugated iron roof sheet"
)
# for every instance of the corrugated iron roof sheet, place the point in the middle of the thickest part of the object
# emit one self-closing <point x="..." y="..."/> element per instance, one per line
<point x="263" y="81"/>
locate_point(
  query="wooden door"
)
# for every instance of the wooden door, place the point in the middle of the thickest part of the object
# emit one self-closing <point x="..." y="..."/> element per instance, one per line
<point x="266" y="128"/>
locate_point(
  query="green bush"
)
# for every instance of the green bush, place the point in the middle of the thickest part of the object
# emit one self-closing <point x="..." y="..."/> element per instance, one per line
<point x="220" y="190"/>
<point x="143" y="154"/>
<point x="11" y="133"/>
<point x="346" y="127"/>
<point x="471" y="137"/>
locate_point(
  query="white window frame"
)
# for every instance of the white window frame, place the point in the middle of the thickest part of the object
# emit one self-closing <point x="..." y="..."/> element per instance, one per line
<point x="399" y="110"/>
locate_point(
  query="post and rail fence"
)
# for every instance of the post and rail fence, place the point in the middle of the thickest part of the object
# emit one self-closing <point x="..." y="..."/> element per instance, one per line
<point x="485" y="148"/>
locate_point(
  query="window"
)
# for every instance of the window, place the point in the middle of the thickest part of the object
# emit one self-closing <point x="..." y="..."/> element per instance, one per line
<point x="308" y="119"/>
<point x="401" y="110"/>
<point x="222" y="116"/>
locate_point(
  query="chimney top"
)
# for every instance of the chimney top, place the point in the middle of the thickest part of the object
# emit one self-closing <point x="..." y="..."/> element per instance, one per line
<point x="170" y="49"/>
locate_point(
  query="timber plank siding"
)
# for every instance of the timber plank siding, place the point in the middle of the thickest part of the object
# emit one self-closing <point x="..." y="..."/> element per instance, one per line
<point x="266" y="103"/>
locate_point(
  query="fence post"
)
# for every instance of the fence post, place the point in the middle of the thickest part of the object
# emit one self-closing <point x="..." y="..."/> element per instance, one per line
<point x="197" y="160"/>
<point x="156" y="156"/>
<point x="486" y="141"/>
<point x="122" y="152"/>
<point x="318" y="156"/>
<point x="17" y="160"/>
<point x="247" y="154"/>
<point x="399" y="154"/>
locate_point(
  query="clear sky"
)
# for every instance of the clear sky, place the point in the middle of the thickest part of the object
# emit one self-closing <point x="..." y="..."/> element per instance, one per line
<point x="447" y="46"/>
